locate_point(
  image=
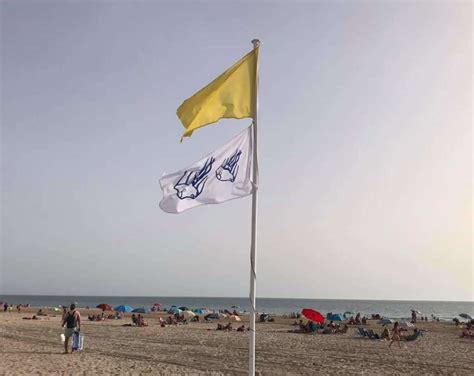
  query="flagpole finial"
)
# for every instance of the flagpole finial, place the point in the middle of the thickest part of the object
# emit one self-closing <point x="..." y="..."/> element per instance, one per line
<point x="256" y="43"/>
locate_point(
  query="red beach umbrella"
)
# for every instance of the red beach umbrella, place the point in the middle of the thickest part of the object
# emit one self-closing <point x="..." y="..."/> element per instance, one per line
<point x="104" y="307"/>
<point x="313" y="315"/>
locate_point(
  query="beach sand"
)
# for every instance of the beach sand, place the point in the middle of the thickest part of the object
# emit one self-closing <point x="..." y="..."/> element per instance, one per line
<point x="33" y="347"/>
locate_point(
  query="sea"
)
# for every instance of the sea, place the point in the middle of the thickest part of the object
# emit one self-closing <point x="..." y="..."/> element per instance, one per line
<point x="387" y="308"/>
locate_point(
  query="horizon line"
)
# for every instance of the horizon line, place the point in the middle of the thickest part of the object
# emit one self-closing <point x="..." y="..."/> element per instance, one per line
<point x="245" y="297"/>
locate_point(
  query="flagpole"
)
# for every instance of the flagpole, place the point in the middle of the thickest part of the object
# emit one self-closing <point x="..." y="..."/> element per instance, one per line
<point x="253" y="243"/>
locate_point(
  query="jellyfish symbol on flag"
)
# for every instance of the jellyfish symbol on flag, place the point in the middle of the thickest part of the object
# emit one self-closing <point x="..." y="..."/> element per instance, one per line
<point x="191" y="184"/>
<point x="229" y="168"/>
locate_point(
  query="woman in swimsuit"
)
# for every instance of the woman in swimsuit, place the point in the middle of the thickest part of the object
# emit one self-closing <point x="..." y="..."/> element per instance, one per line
<point x="396" y="334"/>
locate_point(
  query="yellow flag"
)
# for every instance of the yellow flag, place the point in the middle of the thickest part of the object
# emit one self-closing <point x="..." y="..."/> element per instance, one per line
<point x="231" y="95"/>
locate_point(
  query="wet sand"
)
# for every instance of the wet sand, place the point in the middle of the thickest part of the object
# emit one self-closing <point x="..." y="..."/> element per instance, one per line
<point x="34" y="347"/>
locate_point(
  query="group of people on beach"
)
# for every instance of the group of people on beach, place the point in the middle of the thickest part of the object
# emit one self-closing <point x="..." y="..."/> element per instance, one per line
<point x="102" y="316"/>
<point x="312" y="327"/>
<point x="228" y="327"/>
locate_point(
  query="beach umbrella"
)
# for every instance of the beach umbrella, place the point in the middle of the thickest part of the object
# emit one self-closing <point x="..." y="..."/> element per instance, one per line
<point x="123" y="308"/>
<point x="386" y="321"/>
<point x="336" y="317"/>
<point x="188" y="314"/>
<point x="140" y="310"/>
<point x="183" y="308"/>
<point x="104" y="307"/>
<point x="465" y="316"/>
<point x="312" y="315"/>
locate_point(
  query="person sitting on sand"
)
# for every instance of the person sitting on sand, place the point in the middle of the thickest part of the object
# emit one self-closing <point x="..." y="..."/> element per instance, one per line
<point x="467" y="332"/>
<point x="364" y="320"/>
<point x="241" y="328"/>
<point x="41" y="313"/>
<point x="224" y="327"/>
<point x="342" y="330"/>
<point x="311" y="327"/>
<point x="385" y="334"/>
<point x="414" y="336"/>
<point x="134" y="319"/>
<point x="302" y="326"/>
<point x="396" y="334"/>
<point x="141" y="321"/>
<point x="357" y="319"/>
<point x="352" y="321"/>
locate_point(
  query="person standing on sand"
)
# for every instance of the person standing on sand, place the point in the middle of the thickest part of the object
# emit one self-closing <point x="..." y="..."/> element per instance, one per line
<point x="396" y="335"/>
<point x="72" y="320"/>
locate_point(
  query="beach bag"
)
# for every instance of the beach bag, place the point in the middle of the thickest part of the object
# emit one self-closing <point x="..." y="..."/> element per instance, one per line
<point x="77" y="341"/>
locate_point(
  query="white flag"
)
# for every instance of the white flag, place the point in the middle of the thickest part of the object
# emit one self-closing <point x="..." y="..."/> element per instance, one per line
<point x="221" y="176"/>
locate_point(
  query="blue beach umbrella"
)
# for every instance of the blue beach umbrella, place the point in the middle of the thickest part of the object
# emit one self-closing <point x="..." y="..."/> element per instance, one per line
<point x="123" y="308"/>
<point x="336" y="317"/>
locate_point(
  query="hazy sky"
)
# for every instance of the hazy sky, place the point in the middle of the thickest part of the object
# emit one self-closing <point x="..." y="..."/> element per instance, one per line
<point x="365" y="146"/>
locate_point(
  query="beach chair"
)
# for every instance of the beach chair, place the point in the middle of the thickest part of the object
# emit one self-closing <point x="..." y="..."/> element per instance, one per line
<point x="362" y="332"/>
<point x="372" y="335"/>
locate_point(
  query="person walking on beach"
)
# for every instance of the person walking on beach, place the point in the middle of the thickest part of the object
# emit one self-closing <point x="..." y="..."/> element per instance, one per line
<point x="72" y="320"/>
<point x="396" y="331"/>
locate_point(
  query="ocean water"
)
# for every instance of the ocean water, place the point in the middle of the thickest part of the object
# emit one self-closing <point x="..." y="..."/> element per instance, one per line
<point x="387" y="308"/>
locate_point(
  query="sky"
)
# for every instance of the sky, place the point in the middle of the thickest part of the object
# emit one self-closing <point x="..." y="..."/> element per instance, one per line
<point x="365" y="143"/>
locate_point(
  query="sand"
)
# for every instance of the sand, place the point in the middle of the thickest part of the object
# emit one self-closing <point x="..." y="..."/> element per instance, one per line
<point x="33" y="347"/>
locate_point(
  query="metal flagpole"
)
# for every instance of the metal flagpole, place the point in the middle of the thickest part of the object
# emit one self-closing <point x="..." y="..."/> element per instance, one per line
<point x="253" y="246"/>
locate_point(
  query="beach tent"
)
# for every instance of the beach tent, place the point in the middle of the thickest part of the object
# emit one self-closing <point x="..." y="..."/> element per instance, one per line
<point x="104" y="307"/>
<point x="184" y="308"/>
<point x="336" y="317"/>
<point x="211" y="316"/>
<point x="465" y="316"/>
<point x="123" y="308"/>
<point x="200" y="311"/>
<point x="386" y="321"/>
<point x="174" y="310"/>
<point x="348" y="314"/>
<point x="313" y="315"/>
<point x="188" y="314"/>
<point x="140" y="310"/>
